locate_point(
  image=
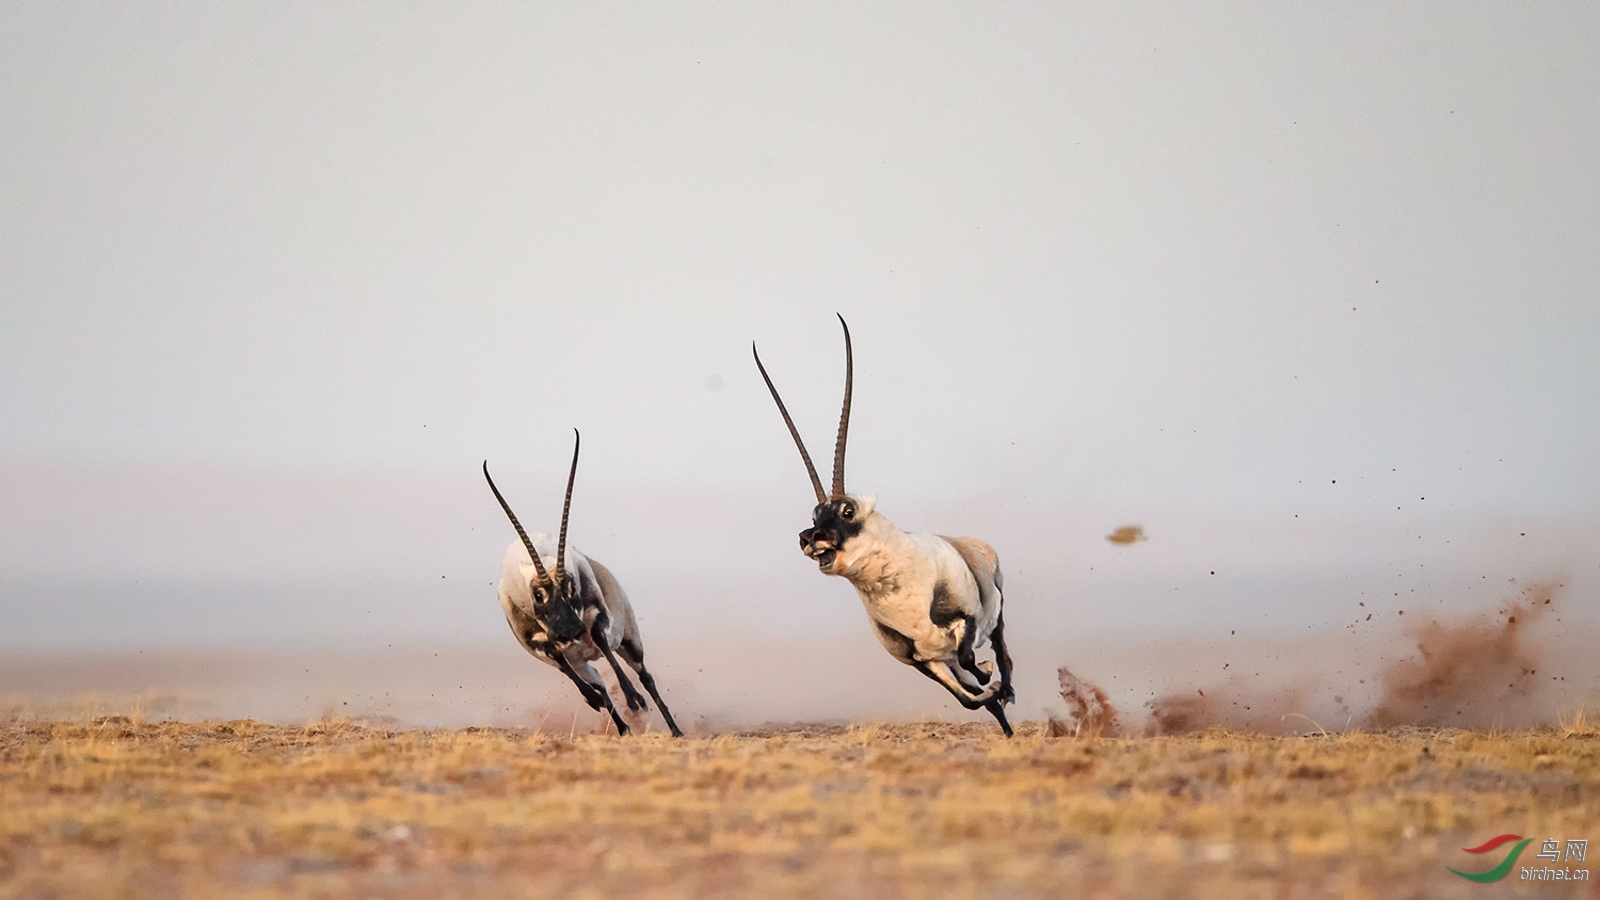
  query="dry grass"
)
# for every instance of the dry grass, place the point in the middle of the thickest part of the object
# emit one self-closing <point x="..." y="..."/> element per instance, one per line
<point x="116" y="807"/>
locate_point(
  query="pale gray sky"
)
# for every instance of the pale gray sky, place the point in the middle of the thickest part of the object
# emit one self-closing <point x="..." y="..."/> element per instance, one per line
<point x="275" y="278"/>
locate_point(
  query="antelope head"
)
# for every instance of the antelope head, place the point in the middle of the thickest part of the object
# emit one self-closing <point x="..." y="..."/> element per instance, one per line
<point x="839" y="520"/>
<point x="556" y="604"/>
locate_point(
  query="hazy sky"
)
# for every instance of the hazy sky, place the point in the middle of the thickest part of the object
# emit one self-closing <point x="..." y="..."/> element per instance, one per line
<point x="1307" y="291"/>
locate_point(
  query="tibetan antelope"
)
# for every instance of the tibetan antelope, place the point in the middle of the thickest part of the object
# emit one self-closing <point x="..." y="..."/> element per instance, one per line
<point x="568" y="610"/>
<point x="933" y="600"/>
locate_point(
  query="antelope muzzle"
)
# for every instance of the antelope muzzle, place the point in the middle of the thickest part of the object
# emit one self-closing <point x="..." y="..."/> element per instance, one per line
<point x="821" y="543"/>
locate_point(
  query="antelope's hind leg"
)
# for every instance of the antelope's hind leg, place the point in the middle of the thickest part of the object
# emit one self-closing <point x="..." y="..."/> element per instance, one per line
<point x="968" y="660"/>
<point x="940" y="671"/>
<point x="634" y="655"/>
<point x="989" y="698"/>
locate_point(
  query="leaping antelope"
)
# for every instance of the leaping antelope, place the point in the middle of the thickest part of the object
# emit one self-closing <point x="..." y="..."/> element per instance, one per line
<point x="575" y="615"/>
<point x="933" y="600"/>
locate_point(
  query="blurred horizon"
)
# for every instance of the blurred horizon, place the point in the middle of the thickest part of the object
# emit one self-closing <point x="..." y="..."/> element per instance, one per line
<point x="265" y="612"/>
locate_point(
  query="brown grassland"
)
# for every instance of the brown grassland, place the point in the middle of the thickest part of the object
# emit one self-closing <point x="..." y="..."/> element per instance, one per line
<point x="119" y="807"/>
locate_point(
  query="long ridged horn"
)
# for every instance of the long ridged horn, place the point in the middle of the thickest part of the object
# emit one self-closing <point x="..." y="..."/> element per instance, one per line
<point x="543" y="575"/>
<point x="816" y="483"/>
<point x="566" y="508"/>
<point x="844" y="416"/>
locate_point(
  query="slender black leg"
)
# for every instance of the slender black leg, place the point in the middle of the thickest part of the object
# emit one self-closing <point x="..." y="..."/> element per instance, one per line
<point x="964" y="655"/>
<point x="587" y="690"/>
<point x="597" y="633"/>
<point x="995" y="706"/>
<point x="595" y="695"/>
<point x="634" y="654"/>
<point x="629" y="692"/>
<point x="622" y="727"/>
<point x="1002" y="658"/>
<point x="650" y="685"/>
<point x="992" y="704"/>
<point x="940" y="671"/>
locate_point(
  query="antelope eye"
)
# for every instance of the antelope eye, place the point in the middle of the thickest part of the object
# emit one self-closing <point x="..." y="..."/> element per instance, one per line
<point x="848" y="511"/>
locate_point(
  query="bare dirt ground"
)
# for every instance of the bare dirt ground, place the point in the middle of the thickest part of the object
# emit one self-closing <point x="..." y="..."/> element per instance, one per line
<point x="119" y="807"/>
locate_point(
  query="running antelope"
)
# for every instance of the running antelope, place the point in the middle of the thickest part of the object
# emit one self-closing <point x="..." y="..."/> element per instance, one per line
<point x="568" y="610"/>
<point x="933" y="600"/>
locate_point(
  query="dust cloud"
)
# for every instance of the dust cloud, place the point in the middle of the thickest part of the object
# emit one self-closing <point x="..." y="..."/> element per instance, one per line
<point x="1089" y="710"/>
<point x="1492" y="670"/>
<point x="1478" y="672"/>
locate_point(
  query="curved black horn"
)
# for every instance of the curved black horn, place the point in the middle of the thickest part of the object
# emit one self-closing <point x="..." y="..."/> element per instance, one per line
<point x="543" y="575"/>
<point x="566" y="508"/>
<point x="816" y="483"/>
<point x="844" y="416"/>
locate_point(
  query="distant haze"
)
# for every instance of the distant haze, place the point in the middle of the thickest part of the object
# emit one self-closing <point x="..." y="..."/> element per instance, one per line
<point x="1308" y="296"/>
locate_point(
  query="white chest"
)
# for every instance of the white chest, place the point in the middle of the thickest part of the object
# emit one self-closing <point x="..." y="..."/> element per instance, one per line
<point x="897" y="592"/>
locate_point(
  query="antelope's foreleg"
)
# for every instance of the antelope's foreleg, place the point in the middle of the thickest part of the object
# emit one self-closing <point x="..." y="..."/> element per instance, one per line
<point x="635" y="700"/>
<point x="594" y="694"/>
<point x="997" y="707"/>
<point x="634" y="655"/>
<point x="585" y="689"/>
<point x="1002" y="658"/>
